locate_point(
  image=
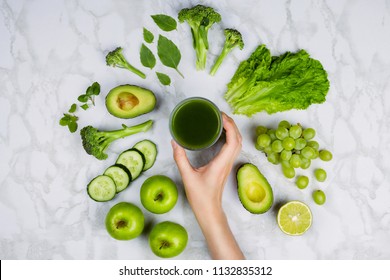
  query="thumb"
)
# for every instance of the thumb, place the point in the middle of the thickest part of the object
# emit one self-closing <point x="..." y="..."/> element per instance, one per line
<point x="180" y="156"/>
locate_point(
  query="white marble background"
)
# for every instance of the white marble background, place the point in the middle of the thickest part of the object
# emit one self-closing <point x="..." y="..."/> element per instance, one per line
<point x="51" y="50"/>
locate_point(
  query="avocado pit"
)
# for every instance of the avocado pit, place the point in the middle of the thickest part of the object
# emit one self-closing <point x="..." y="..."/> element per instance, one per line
<point x="127" y="101"/>
<point x="255" y="192"/>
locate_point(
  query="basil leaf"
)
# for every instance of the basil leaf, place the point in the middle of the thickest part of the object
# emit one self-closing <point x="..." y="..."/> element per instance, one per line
<point x="163" y="78"/>
<point x="73" y="108"/>
<point x="165" y="22"/>
<point x="148" y="36"/>
<point x="147" y="57"/>
<point x="168" y="53"/>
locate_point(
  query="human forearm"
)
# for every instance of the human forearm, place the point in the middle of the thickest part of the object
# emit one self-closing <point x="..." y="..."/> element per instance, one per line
<point x="219" y="238"/>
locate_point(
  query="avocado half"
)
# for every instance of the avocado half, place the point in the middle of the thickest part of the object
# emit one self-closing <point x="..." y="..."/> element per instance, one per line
<point x="254" y="191"/>
<point x="129" y="101"/>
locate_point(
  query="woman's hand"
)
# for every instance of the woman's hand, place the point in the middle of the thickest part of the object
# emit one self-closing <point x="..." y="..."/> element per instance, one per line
<point x="204" y="187"/>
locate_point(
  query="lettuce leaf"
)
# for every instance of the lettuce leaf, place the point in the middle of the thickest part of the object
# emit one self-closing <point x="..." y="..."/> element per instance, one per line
<point x="276" y="83"/>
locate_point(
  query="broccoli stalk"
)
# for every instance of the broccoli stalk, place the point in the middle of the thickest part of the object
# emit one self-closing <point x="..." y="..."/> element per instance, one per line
<point x="115" y="58"/>
<point x="95" y="142"/>
<point x="233" y="39"/>
<point x="200" y="18"/>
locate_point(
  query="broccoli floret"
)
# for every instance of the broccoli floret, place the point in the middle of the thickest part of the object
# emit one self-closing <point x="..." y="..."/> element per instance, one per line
<point x="95" y="142"/>
<point x="233" y="39"/>
<point x="115" y="58"/>
<point x="200" y="18"/>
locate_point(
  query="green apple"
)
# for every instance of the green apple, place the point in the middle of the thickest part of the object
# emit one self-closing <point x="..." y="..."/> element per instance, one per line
<point x="158" y="194"/>
<point x="125" y="221"/>
<point x="168" y="239"/>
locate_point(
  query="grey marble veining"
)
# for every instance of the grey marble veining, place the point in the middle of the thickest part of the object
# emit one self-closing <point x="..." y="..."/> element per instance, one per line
<point x="51" y="51"/>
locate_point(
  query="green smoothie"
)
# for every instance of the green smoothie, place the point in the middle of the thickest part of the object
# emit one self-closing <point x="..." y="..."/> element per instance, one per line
<point x="196" y="123"/>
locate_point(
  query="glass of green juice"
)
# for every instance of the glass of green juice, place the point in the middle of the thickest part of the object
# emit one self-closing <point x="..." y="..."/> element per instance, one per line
<point x="196" y="123"/>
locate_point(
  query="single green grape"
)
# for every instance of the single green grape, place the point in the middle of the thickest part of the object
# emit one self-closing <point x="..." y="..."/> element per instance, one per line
<point x="284" y="124"/>
<point x="302" y="182"/>
<point x="316" y="154"/>
<point x="288" y="143"/>
<point x="258" y="147"/>
<point x="261" y="130"/>
<point x="285" y="155"/>
<point x="267" y="150"/>
<point x="309" y="133"/>
<point x="285" y="163"/>
<point x="271" y="133"/>
<point x="273" y="158"/>
<point x="277" y="146"/>
<point x="281" y="133"/>
<point x="320" y="174"/>
<point x="319" y="197"/>
<point x="288" y="172"/>
<point x="264" y="140"/>
<point x="295" y="161"/>
<point x="325" y="155"/>
<point x="305" y="162"/>
<point x="300" y="143"/>
<point x="295" y="131"/>
<point x="308" y="152"/>
<point x="313" y="144"/>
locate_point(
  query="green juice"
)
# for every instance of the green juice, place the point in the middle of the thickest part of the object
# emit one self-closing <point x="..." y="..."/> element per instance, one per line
<point x="196" y="123"/>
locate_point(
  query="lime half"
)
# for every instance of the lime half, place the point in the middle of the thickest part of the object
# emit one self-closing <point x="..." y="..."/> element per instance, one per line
<point x="294" y="218"/>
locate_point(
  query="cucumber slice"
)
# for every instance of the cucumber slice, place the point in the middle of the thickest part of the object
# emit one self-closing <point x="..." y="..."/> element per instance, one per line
<point x="101" y="188"/>
<point x="133" y="160"/>
<point x="149" y="150"/>
<point x="120" y="175"/>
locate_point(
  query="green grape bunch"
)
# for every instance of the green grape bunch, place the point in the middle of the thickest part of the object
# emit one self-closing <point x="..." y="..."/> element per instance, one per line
<point x="292" y="146"/>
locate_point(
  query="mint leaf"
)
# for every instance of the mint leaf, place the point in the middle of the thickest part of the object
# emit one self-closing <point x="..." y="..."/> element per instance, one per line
<point x="147" y="57"/>
<point x="73" y="108"/>
<point x="72" y="126"/>
<point x="163" y="78"/>
<point x="64" y="121"/>
<point x="148" y="36"/>
<point x="168" y="53"/>
<point x="165" y="22"/>
<point x="95" y="88"/>
<point x="83" y="98"/>
<point x="84" y="106"/>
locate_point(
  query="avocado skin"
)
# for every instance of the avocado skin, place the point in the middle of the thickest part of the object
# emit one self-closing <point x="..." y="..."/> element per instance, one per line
<point x="130" y="101"/>
<point x="242" y="182"/>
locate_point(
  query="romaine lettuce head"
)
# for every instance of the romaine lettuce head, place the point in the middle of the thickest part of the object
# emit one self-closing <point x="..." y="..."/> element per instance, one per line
<point x="278" y="83"/>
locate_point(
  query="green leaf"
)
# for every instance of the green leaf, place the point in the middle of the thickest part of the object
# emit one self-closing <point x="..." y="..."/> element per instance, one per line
<point x="95" y="88"/>
<point x="163" y="78"/>
<point x="72" y="126"/>
<point x="73" y="108"/>
<point x="83" y="98"/>
<point x="148" y="36"/>
<point x="64" y="121"/>
<point x="165" y="22"/>
<point x="168" y="53"/>
<point x="84" y="106"/>
<point x="147" y="57"/>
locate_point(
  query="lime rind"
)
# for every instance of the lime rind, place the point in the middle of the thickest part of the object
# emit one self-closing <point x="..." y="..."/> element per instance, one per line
<point x="294" y="218"/>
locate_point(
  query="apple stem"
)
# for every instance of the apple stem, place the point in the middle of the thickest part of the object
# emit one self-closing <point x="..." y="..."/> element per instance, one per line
<point x="164" y="244"/>
<point x="158" y="197"/>
<point x="121" y="224"/>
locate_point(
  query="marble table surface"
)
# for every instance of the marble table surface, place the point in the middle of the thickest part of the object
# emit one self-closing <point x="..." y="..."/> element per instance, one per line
<point x="52" y="50"/>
